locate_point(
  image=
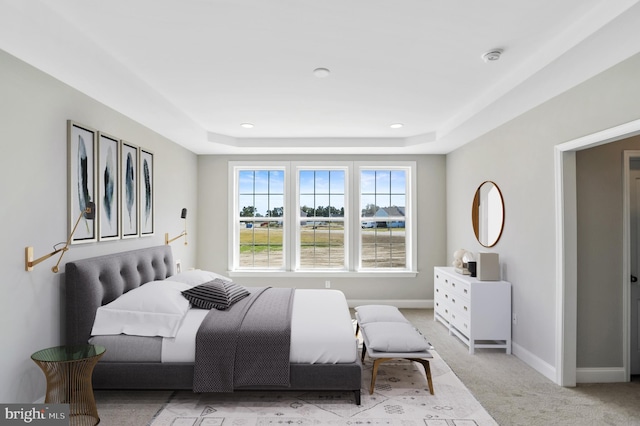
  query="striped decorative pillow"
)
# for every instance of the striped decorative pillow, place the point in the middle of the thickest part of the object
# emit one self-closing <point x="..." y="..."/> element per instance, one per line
<point x="218" y="294"/>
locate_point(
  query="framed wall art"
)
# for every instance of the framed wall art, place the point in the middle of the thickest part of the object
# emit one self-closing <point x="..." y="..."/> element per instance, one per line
<point x="81" y="177"/>
<point x="146" y="193"/>
<point x="108" y="187"/>
<point x="129" y="190"/>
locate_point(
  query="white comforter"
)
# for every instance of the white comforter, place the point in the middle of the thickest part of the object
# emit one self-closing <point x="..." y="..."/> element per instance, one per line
<point x="321" y="331"/>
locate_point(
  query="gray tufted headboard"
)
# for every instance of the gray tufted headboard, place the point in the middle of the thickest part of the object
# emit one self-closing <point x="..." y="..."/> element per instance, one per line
<point x="93" y="282"/>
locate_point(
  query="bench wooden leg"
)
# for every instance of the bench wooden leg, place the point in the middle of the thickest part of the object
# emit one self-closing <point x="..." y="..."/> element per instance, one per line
<point x="374" y="372"/>
<point x="427" y="370"/>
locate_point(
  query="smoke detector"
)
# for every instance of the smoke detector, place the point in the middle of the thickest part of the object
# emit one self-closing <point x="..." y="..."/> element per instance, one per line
<point x="321" y="72"/>
<point x="492" y="55"/>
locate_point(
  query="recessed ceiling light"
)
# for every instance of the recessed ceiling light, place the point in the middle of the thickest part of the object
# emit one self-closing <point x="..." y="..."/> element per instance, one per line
<point x="247" y="125"/>
<point x="492" y="55"/>
<point x="321" y="72"/>
<point x="396" y="125"/>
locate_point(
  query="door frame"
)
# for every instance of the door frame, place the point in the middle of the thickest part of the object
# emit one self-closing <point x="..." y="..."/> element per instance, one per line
<point x="566" y="247"/>
<point x="626" y="262"/>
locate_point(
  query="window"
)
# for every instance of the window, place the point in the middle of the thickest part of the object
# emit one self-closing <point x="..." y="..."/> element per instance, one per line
<point x="321" y="223"/>
<point x="383" y="200"/>
<point x="259" y="219"/>
<point x="335" y="217"/>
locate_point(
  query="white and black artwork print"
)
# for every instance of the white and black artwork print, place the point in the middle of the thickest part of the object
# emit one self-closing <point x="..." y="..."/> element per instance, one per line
<point x="146" y="192"/>
<point x="81" y="151"/>
<point x="108" y="187"/>
<point x="129" y="190"/>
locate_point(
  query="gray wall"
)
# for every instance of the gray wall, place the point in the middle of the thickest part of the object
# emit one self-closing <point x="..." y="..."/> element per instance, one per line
<point x="213" y="239"/>
<point x="34" y="109"/>
<point x="519" y="157"/>
<point x="599" y="174"/>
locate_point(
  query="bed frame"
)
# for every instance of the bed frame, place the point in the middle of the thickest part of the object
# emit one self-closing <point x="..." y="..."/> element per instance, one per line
<point x="93" y="282"/>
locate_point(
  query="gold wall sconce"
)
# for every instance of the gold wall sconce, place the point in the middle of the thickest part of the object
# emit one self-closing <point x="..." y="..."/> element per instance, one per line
<point x="183" y="215"/>
<point x="29" y="263"/>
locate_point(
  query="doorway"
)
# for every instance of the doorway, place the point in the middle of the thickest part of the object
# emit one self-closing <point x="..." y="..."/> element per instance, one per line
<point x="633" y="167"/>
<point x="566" y="245"/>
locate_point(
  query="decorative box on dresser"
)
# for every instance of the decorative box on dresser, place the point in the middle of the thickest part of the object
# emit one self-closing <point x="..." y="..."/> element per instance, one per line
<point x="477" y="312"/>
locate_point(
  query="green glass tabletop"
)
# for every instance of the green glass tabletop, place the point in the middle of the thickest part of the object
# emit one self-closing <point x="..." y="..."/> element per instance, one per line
<point x="68" y="353"/>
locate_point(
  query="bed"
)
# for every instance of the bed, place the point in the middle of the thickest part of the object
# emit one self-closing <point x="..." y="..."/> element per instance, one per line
<point x="92" y="283"/>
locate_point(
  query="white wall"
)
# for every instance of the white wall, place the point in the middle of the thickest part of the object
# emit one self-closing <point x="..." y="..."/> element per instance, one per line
<point x="519" y="157"/>
<point x="34" y="109"/>
<point x="213" y="240"/>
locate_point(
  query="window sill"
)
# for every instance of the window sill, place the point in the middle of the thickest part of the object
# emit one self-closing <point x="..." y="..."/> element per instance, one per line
<point x="324" y="273"/>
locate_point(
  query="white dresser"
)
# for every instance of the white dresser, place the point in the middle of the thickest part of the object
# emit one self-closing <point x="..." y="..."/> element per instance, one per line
<point x="478" y="312"/>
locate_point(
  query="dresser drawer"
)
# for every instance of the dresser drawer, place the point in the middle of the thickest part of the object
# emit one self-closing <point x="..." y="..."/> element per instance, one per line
<point x="439" y="280"/>
<point x="458" y="286"/>
<point x="460" y="321"/>
<point x="441" y="309"/>
<point x="460" y="303"/>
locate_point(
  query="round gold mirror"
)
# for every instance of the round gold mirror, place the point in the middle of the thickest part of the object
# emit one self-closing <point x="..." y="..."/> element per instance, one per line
<point x="487" y="214"/>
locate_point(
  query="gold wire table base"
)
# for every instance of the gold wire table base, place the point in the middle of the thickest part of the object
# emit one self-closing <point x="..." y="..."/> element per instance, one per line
<point x="69" y="382"/>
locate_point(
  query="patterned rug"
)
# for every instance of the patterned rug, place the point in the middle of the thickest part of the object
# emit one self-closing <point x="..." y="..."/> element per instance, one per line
<point x="401" y="398"/>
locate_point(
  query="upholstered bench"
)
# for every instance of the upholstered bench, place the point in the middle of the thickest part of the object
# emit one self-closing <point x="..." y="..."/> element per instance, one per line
<point x="386" y="335"/>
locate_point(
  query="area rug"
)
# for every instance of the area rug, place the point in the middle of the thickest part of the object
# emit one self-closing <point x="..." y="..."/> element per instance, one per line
<point x="401" y="398"/>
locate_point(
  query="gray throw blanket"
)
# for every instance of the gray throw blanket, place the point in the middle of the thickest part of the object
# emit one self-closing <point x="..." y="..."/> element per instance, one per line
<point x="247" y="344"/>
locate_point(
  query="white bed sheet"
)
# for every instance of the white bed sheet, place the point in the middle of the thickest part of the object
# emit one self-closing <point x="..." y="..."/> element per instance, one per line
<point x="321" y="331"/>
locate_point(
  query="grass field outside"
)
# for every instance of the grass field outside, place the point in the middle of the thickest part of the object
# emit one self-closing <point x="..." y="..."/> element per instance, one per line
<point x="322" y="246"/>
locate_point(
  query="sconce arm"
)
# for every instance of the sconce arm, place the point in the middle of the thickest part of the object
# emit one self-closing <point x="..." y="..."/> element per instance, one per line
<point x="169" y="241"/>
<point x="29" y="263"/>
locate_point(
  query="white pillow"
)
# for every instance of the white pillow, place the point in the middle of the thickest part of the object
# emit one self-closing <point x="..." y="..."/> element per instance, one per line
<point x="153" y="309"/>
<point x="196" y="277"/>
<point x="376" y="313"/>
<point x="394" y="337"/>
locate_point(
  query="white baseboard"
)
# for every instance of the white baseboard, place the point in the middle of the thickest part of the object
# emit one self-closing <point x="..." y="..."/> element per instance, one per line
<point x="547" y="370"/>
<point x="399" y="303"/>
<point x="583" y="375"/>
<point x="600" y="375"/>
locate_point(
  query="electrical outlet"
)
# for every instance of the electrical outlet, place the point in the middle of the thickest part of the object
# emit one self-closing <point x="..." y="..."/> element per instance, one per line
<point x="515" y="319"/>
<point x="327" y="284"/>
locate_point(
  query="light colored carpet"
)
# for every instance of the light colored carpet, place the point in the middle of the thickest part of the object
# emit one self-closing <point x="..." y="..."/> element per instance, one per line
<point x="401" y="398"/>
<point x="517" y="395"/>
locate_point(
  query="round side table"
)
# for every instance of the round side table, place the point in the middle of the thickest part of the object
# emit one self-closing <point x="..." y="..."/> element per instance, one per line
<point x="68" y="370"/>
